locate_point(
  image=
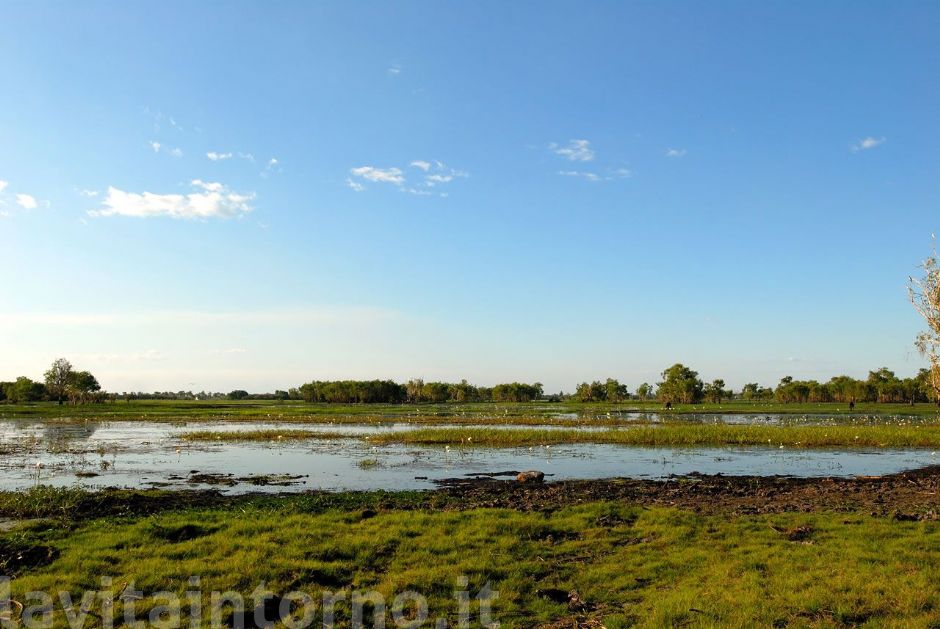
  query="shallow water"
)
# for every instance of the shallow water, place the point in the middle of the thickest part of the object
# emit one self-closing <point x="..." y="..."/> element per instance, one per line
<point x="136" y="454"/>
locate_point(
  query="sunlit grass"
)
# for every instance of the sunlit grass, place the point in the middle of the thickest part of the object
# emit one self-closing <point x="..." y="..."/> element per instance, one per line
<point x="682" y="434"/>
<point x="636" y="567"/>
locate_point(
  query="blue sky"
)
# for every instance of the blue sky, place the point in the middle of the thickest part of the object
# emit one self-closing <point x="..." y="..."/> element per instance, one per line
<point x="497" y="191"/>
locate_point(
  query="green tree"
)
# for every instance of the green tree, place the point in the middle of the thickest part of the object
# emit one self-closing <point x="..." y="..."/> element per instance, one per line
<point x="680" y="384"/>
<point x="644" y="391"/>
<point x="57" y="379"/>
<point x="715" y="391"/>
<point x="81" y="385"/>
<point x="616" y="392"/>
<point x="751" y="391"/>
<point x="25" y="390"/>
<point x="925" y="296"/>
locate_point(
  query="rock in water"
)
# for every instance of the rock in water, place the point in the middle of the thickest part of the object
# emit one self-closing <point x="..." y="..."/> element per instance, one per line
<point x="532" y="476"/>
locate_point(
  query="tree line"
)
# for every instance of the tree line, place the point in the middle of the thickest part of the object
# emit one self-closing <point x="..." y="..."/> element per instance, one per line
<point x="61" y="383"/>
<point x="416" y="390"/>
<point x="680" y="384"/>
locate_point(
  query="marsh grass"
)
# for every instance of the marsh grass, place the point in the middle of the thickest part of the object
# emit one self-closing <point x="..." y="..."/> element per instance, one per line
<point x="272" y="436"/>
<point x="670" y="434"/>
<point x="637" y="567"/>
<point x="563" y="413"/>
<point x="682" y="434"/>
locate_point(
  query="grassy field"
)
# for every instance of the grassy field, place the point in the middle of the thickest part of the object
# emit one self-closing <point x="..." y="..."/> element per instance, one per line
<point x="676" y="434"/>
<point x="647" y="567"/>
<point x="533" y="412"/>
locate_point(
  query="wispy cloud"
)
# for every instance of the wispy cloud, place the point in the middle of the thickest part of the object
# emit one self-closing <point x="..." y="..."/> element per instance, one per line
<point x="394" y="70"/>
<point x="86" y="193"/>
<point x="136" y="357"/>
<point x="310" y="315"/>
<point x="434" y="173"/>
<point x="229" y="351"/>
<point x="26" y="201"/>
<point x="618" y="173"/>
<point x="159" y="147"/>
<point x="273" y="165"/>
<point x="575" y="150"/>
<point x="218" y="157"/>
<point x="354" y="185"/>
<point x="578" y="173"/>
<point x="210" y="200"/>
<point x="675" y="152"/>
<point x="379" y="175"/>
<point x="9" y="202"/>
<point x="867" y="143"/>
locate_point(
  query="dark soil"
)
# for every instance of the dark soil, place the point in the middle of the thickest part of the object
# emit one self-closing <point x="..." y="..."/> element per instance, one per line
<point x="907" y="495"/>
<point x="17" y="556"/>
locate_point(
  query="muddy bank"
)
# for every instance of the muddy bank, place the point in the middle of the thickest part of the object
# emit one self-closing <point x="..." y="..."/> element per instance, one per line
<point x="913" y="494"/>
<point x="907" y="495"/>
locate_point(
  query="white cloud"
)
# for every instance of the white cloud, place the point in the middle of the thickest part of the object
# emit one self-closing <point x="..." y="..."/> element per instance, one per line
<point x="394" y="70"/>
<point x="312" y="315"/>
<point x="159" y="147"/>
<point x="435" y="174"/>
<point x="3" y="185"/>
<point x="434" y="179"/>
<point x="211" y="200"/>
<point x="379" y="175"/>
<point x="675" y="152"/>
<point x="26" y="201"/>
<point x="247" y="156"/>
<point x="619" y="173"/>
<point x="86" y="193"/>
<point x="421" y="192"/>
<point x="867" y="143"/>
<point x="271" y="166"/>
<point x="216" y="157"/>
<point x="575" y="151"/>
<point x="577" y="173"/>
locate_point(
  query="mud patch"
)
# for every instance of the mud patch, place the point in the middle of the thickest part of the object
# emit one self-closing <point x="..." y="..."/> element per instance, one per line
<point x="17" y="557"/>
<point x="183" y="533"/>
<point x="230" y="480"/>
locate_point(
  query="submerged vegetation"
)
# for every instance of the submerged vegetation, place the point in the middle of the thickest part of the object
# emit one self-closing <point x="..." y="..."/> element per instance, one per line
<point x="672" y="434"/>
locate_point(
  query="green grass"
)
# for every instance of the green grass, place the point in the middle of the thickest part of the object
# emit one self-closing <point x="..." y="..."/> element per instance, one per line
<point x="273" y="436"/>
<point x="671" y="434"/>
<point x="679" y="435"/>
<point x="636" y="567"/>
<point x="484" y="413"/>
